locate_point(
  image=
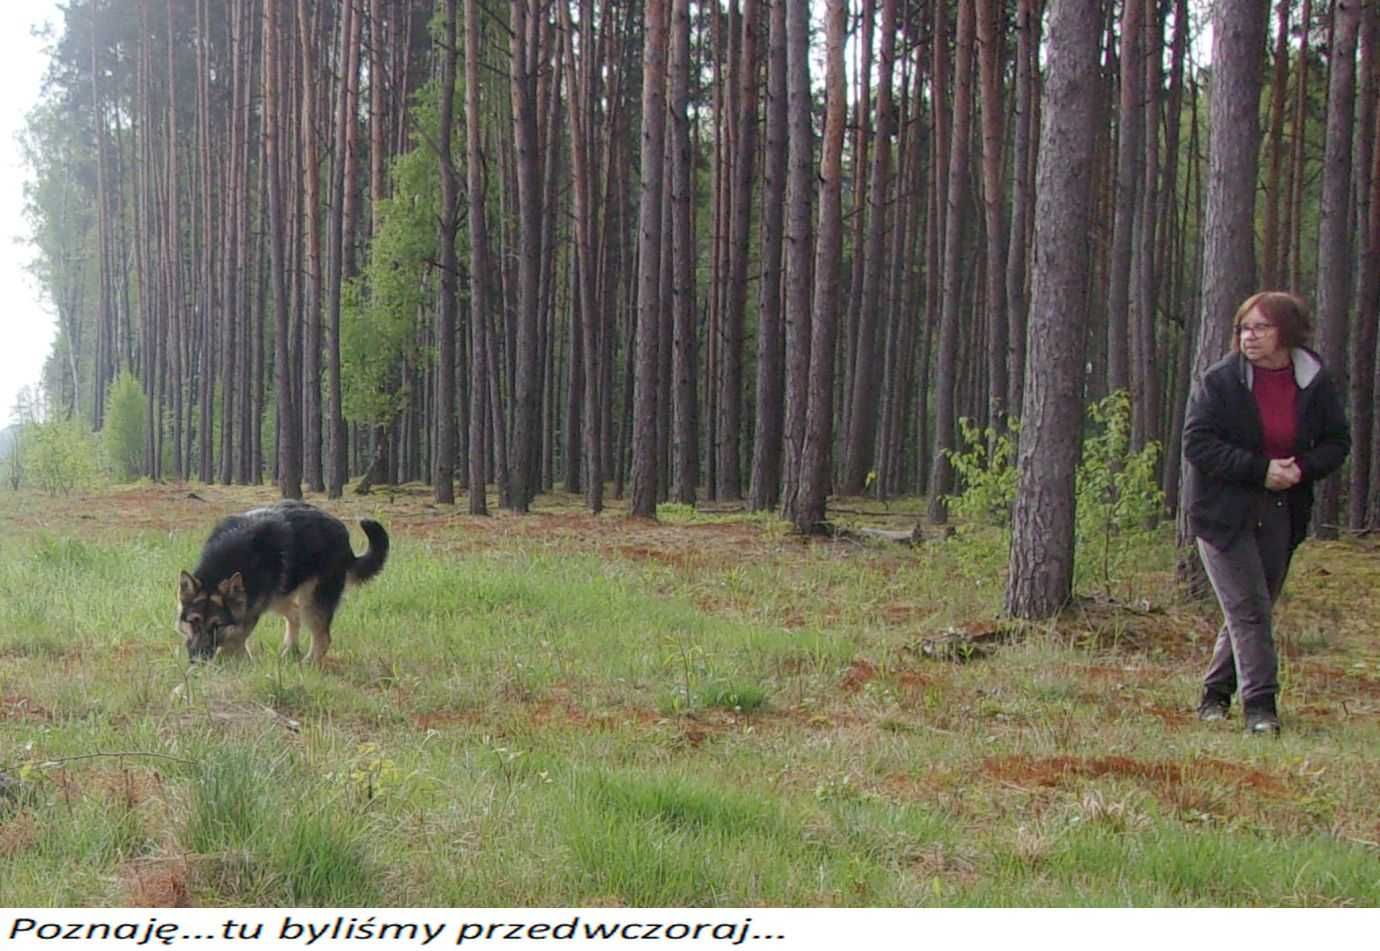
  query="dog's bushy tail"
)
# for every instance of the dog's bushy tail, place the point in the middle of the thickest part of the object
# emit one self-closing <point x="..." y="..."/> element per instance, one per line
<point x="371" y="562"/>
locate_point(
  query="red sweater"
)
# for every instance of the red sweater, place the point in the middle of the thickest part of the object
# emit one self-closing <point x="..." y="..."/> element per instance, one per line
<point x="1275" y="394"/>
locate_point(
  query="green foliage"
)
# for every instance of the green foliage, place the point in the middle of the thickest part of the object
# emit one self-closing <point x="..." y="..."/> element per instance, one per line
<point x="122" y="439"/>
<point x="380" y="309"/>
<point x="984" y="470"/>
<point x="1118" y="496"/>
<point x="61" y="456"/>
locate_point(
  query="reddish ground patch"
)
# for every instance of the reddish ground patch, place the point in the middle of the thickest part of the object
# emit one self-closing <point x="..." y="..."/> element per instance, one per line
<point x="1061" y="770"/>
<point x="1334" y="682"/>
<point x="1171" y="716"/>
<point x="15" y="707"/>
<point x="912" y="680"/>
<point x="859" y="673"/>
<point x="675" y="559"/>
<point x="156" y="883"/>
<point x="441" y="719"/>
<point x="17" y="835"/>
<point x="127" y="786"/>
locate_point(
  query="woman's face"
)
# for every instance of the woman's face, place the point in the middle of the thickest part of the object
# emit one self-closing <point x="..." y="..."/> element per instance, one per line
<point x="1260" y="341"/>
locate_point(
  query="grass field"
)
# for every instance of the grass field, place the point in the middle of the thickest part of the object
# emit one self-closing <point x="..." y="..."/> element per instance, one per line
<point x="561" y="709"/>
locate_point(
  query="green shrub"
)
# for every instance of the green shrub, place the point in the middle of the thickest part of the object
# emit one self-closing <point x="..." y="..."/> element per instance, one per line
<point x="984" y="469"/>
<point x="60" y="455"/>
<point x="122" y="439"/>
<point x="1118" y="495"/>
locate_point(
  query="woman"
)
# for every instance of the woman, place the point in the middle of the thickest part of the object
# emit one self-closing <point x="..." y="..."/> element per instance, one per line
<point x="1262" y="426"/>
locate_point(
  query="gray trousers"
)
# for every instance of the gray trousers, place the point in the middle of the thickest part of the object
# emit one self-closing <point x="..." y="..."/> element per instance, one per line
<point x="1248" y="576"/>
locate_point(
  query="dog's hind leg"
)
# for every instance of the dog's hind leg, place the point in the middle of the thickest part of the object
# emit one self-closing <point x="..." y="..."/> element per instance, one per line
<point x="318" y="613"/>
<point x="293" y="615"/>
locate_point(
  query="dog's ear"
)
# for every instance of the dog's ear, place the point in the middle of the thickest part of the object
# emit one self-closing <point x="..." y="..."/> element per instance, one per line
<point x="232" y="590"/>
<point x="187" y="587"/>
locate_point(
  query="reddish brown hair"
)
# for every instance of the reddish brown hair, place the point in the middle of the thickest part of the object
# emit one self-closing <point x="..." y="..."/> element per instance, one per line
<point x="1287" y="312"/>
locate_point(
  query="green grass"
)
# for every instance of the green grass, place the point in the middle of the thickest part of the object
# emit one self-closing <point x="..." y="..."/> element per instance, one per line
<point x="576" y="710"/>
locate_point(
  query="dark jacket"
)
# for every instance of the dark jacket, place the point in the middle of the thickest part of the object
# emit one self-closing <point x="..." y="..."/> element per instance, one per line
<point x="1226" y="465"/>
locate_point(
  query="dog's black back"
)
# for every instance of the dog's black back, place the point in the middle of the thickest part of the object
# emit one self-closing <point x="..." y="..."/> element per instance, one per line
<point x="289" y="557"/>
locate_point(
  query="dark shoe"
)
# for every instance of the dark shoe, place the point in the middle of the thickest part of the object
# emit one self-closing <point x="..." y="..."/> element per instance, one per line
<point x="1262" y="723"/>
<point x="1214" y="707"/>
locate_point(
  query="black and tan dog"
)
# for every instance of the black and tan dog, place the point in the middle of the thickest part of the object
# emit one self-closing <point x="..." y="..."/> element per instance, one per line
<point x="290" y="558"/>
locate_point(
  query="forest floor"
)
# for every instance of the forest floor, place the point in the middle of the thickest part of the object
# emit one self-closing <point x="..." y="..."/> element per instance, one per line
<point x="565" y="709"/>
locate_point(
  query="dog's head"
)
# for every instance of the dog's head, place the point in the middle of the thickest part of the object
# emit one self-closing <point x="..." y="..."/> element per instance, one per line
<point x="209" y="616"/>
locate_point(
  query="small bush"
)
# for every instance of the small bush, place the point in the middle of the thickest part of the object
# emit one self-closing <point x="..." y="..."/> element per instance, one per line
<point x="60" y="456"/>
<point x="983" y="468"/>
<point x="1118" y="496"/>
<point x="122" y="439"/>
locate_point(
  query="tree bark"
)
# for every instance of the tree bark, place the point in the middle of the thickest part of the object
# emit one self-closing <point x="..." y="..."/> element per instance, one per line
<point x="819" y="416"/>
<point x="859" y="453"/>
<point x="644" y="471"/>
<point x="1041" y="569"/>
<point x="1023" y="187"/>
<point x="443" y="463"/>
<point x="685" y="449"/>
<point x="1270" y="271"/>
<point x="994" y="208"/>
<point x="1334" y="245"/>
<point x="527" y="383"/>
<point x="735" y="311"/>
<point x="289" y="437"/>
<point x="799" y="185"/>
<point x="766" y="449"/>
<point x="946" y="383"/>
<point x="1129" y="156"/>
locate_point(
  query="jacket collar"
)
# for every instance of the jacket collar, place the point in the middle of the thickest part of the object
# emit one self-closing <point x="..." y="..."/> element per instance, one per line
<point x="1307" y="366"/>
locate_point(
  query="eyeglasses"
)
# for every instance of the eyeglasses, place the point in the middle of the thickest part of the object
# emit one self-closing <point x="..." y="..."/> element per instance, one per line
<point x="1255" y="330"/>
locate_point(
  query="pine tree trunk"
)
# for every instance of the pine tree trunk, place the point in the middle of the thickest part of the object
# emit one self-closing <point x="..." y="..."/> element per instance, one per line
<point x="1041" y="568"/>
<point x="582" y="183"/>
<point x="1334" y="245"/>
<point x="1145" y="388"/>
<point x="766" y="450"/>
<point x="860" y="452"/>
<point x="481" y="449"/>
<point x="1362" y="351"/>
<point x="1270" y="271"/>
<point x="994" y="208"/>
<point x="289" y="436"/>
<point x="1293" y="226"/>
<point x="799" y="186"/>
<point x="819" y="416"/>
<point x="1017" y="302"/>
<point x="685" y="449"/>
<point x="1130" y="133"/>
<point x="644" y="469"/>
<point x="946" y="383"/>
<point x="527" y="377"/>
<point x="443" y="462"/>
<point x="730" y="399"/>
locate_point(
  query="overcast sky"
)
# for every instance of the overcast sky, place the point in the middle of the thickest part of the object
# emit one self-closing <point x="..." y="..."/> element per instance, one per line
<point x="26" y="321"/>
